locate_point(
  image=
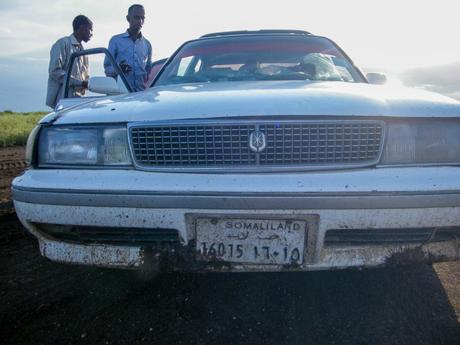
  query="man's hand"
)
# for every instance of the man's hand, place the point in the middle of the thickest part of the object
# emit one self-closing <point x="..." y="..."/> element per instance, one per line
<point x="125" y="67"/>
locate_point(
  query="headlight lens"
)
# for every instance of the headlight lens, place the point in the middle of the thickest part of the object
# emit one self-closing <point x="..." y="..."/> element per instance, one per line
<point x="30" y="146"/>
<point x="422" y="141"/>
<point x="84" y="146"/>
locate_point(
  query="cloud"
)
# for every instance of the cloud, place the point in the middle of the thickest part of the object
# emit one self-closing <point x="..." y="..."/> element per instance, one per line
<point x="24" y="84"/>
<point x="444" y="79"/>
<point x="5" y="30"/>
<point x="12" y="5"/>
<point x="34" y="26"/>
<point x="394" y="37"/>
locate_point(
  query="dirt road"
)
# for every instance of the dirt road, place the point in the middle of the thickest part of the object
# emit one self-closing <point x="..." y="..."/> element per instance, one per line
<point x="48" y="303"/>
<point x="12" y="163"/>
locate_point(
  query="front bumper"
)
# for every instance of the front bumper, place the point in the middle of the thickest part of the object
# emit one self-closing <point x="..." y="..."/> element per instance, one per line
<point x="398" y="198"/>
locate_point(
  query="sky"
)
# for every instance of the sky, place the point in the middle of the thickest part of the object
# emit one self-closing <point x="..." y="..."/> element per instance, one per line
<point x="394" y="36"/>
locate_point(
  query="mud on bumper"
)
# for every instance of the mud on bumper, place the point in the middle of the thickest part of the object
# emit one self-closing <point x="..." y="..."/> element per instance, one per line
<point x="185" y="259"/>
<point x="324" y="251"/>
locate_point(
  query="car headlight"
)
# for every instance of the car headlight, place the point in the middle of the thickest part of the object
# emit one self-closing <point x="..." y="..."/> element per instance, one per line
<point x="30" y="146"/>
<point x="422" y="141"/>
<point x="86" y="146"/>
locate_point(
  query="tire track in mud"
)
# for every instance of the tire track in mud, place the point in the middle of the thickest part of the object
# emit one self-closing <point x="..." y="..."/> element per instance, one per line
<point x="6" y="205"/>
<point x="12" y="164"/>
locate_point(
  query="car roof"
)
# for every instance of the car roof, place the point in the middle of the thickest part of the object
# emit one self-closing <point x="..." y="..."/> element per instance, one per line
<point x="256" y="32"/>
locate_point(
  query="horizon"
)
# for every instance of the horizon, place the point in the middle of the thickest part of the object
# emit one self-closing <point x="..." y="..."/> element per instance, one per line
<point x="386" y="36"/>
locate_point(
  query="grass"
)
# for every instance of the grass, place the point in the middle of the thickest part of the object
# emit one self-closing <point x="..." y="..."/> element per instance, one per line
<point x="15" y="127"/>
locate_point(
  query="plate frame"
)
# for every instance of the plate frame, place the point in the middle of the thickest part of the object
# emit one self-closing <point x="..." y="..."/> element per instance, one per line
<point x="310" y="238"/>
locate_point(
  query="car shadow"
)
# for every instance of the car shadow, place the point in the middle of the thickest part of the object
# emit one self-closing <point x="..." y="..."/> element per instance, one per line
<point x="59" y="303"/>
<point x="403" y="305"/>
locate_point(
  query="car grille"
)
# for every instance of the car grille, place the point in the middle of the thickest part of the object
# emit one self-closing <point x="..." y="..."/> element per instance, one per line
<point x="288" y="144"/>
<point x="156" y="238"/>
<point x="365" y="237"/>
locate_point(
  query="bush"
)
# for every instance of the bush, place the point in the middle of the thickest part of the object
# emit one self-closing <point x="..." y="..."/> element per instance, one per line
<point x="15" y="127"/>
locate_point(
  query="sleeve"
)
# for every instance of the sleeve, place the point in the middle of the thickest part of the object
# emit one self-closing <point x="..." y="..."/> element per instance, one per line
<point x="148" y="66"/>
<point x="108" y="68"/>
<point x="86" y="67"/>
<point x="77" y="80"/>
<point x="58" y="58"/>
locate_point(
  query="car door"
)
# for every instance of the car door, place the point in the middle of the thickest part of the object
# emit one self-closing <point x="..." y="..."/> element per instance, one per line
<point x="99" y="85"/>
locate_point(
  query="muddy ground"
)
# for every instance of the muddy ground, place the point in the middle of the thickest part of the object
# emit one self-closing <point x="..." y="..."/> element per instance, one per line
<point x="48" y="303"/>
<point x="12" y="163"/>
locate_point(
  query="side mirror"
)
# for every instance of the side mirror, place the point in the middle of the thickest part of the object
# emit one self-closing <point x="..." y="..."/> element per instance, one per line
<point x="106" y="85"/>
<point x="376" y="78"/>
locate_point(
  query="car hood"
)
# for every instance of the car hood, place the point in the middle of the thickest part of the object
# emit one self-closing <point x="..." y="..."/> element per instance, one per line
<point x="260" y="98"/>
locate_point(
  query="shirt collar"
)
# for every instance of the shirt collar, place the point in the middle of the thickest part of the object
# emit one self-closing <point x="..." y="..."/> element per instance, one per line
<point x="126" y="34"/>
<point x="74" y="41"/>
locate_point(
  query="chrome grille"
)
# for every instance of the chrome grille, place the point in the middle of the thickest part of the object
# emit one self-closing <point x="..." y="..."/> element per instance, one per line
<point x="321" y="143"/>
<point x="288" y="144"/>
<point x="364" y="237"/>
<point x="111" y="235"/>
<point x="192" y="145"/>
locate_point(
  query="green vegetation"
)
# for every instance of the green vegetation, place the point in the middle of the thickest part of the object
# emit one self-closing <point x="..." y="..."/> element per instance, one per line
<point x="15" y="127"/>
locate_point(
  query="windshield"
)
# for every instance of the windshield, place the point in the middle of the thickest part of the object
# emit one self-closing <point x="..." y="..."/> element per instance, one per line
<point x="256" y="57"/>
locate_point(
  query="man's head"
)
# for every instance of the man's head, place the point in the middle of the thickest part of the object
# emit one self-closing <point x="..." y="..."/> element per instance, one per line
<point x="135" y="17"/>
<point x="82" y="28"/>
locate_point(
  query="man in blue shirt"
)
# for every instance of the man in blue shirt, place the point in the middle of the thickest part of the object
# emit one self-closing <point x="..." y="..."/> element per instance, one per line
<point x="131" y="50"/>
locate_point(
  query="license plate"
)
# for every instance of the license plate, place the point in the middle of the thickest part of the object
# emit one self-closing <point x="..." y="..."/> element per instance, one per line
<point x="249" y="240"/>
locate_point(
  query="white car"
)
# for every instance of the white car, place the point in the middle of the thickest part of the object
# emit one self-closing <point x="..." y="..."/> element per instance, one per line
<point x="252" y="151"/>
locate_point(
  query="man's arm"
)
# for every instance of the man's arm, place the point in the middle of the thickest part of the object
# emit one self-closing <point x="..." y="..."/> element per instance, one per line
<point x="86" y="73"/>
<point x="81" y="81"/>
<point x="58" y="57"/>
<point x="148" y="66"/>
<point x="108" y="68"/>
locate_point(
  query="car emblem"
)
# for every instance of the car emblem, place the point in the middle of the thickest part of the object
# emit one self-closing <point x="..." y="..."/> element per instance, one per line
<point x="257" y="141"/>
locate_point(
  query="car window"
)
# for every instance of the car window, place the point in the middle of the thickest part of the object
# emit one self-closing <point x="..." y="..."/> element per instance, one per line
<point x="95" y="83"/>
<point x="154" y="70"/>
<point x="183" y="65"/>
<point x="277" y="57"/>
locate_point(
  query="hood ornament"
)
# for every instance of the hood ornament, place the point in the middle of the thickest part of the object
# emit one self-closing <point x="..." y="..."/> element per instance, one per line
<point x="257" y="141"/>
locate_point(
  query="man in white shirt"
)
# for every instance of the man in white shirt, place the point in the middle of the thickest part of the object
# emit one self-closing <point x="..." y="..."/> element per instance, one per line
<point x="60" y="58"/>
